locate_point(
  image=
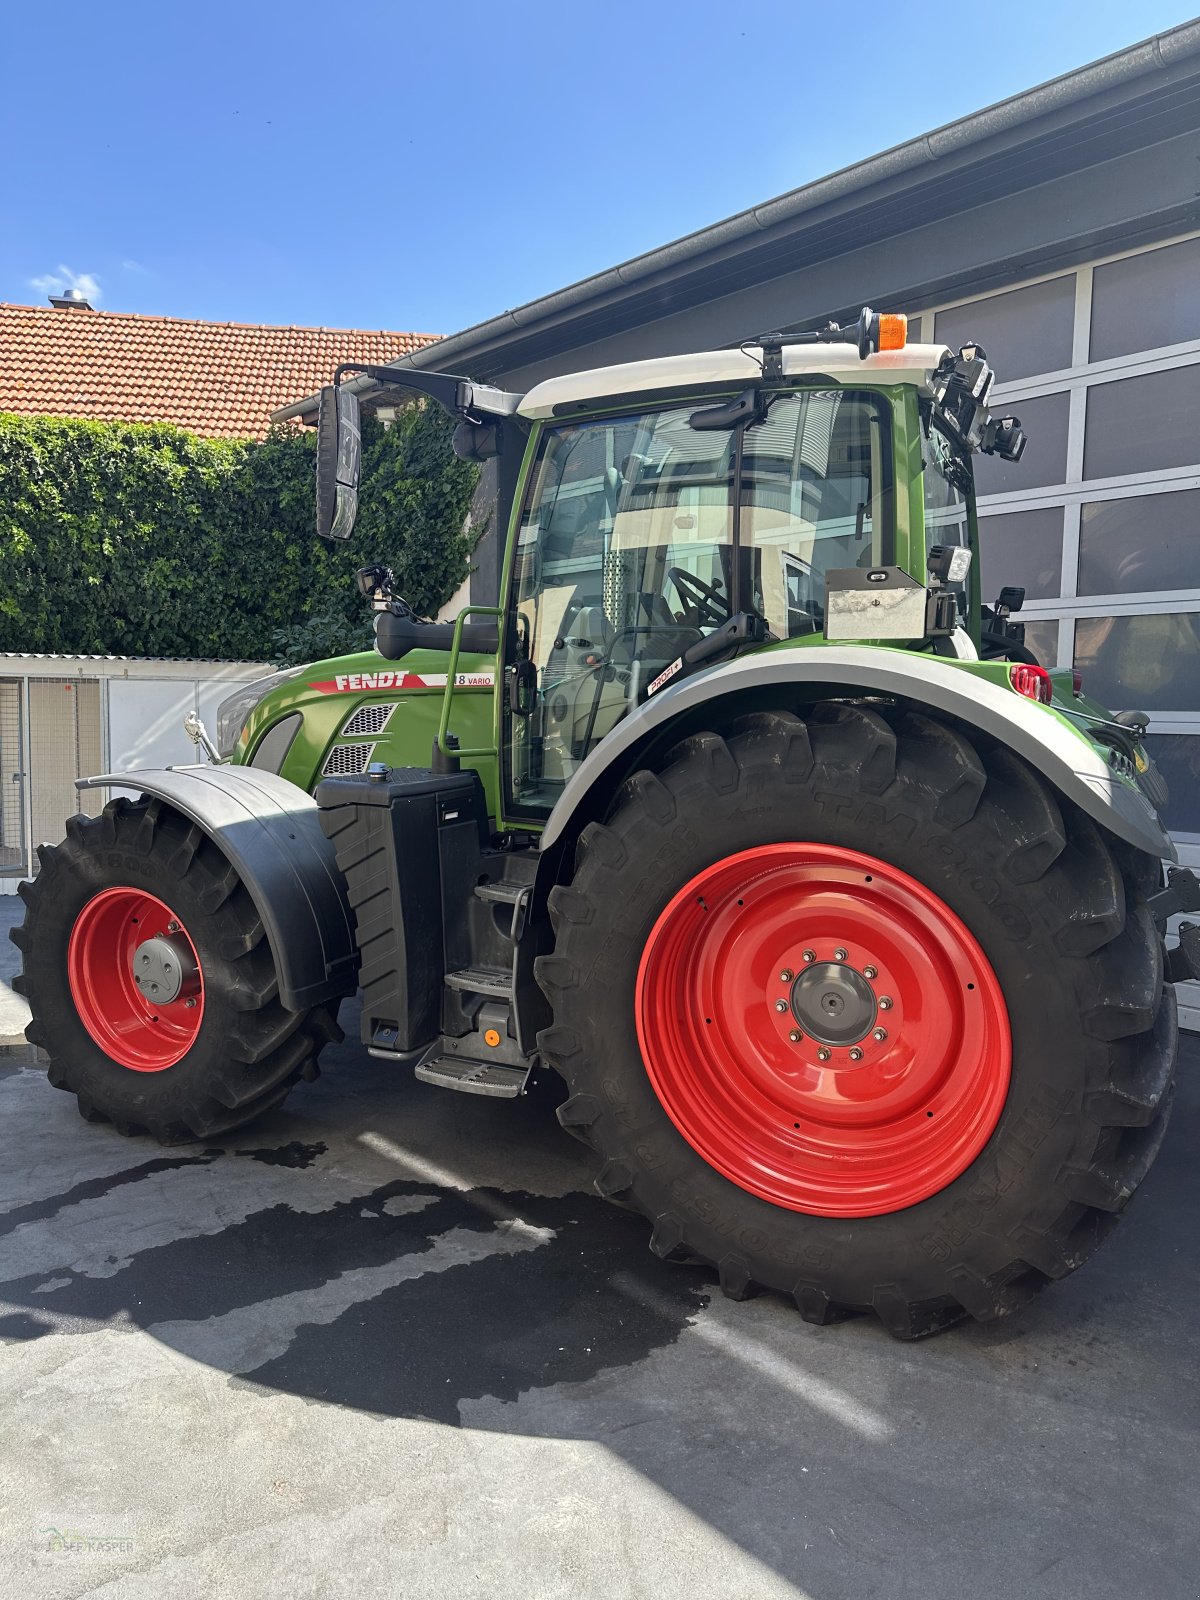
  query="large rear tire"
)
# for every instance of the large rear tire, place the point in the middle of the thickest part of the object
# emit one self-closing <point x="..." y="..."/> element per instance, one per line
<point x="152" y="986"/>
<point x="722" y="960"/>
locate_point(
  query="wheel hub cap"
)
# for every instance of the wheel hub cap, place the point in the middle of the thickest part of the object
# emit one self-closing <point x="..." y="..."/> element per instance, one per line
<point x="164" y="969"/>
<point x="823" y="1029"/>
<point x="833" y="1003"/>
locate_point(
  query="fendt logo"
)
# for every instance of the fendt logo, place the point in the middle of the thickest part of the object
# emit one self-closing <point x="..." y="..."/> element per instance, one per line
<point x="358" y="682"/>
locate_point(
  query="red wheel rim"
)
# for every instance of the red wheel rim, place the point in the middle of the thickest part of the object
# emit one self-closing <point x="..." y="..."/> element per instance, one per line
<point x="120" y="934"/>
<point x="761" y="997"/>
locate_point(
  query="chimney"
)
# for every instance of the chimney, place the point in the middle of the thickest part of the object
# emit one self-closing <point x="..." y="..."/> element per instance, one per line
<point x="71" y="300"/>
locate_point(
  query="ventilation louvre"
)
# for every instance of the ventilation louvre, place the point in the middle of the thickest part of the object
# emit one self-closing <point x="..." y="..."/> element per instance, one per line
<point x="347" y="760"/>
<point x="367" y="719"/>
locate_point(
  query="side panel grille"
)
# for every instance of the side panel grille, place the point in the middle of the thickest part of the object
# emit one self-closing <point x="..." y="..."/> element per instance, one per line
<point x="367" y="719"/>
<point x="347" y="760"/>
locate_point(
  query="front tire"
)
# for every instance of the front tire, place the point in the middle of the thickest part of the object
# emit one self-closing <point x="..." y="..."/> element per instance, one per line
<point x="987" y="1143"/>
<point x="152" y="986"/>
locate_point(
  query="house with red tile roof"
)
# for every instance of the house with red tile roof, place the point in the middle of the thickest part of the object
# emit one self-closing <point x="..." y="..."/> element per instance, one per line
<point x="220" y="379"/>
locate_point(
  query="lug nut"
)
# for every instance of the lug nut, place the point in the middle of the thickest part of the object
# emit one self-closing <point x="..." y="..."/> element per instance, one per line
<point x="879" y="1035"/>
<point x="856" y="1054"/>
<point x="190" y="1004"/>
<point x="781" y="1005"/>
<point x="786" y="975"/>
<point x="885" y="1002"/>
<point x="810" y="955"/>
<point x="870" y="972"/>
<point x="822" y="1054"/>
<point x="839" y="955"/>
<point x="172" y="927"/>
<point x="795" y="1036"/>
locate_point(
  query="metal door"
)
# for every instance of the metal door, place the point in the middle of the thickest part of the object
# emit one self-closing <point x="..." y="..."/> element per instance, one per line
<point x="13" y="847"/>
<point x="64" y="742"/>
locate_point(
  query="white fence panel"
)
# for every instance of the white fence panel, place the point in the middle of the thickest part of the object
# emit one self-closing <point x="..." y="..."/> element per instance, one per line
<point x="145" y="720"/>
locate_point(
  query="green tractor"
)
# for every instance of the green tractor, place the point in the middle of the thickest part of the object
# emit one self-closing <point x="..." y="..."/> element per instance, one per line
<point x="841" y="919"/>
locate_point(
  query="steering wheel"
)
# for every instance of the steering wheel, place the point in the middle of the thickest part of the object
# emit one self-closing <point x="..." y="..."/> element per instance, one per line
<point x="709" y="603"/>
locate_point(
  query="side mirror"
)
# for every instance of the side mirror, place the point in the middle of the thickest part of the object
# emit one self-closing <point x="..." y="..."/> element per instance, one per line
<point x="339" y="457"/>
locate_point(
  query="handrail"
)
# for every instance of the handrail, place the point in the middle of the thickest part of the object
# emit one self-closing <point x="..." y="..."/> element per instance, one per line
<point x="452" y="673"/>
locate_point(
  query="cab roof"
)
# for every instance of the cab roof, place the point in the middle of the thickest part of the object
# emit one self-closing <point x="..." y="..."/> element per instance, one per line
<point x="708" y="368"/>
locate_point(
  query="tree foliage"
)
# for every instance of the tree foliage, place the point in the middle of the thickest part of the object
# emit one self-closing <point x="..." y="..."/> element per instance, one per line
<point x="128" y="539"/>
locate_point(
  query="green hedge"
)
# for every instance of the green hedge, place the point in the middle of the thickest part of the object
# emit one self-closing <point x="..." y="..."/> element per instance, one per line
<point x="145" y="540"/>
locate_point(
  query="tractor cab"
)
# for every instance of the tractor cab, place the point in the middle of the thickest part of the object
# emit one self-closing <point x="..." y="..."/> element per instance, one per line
<point x="630" y="567"/>
<point x="669" y="515"/>
<point x="625" y="559"/>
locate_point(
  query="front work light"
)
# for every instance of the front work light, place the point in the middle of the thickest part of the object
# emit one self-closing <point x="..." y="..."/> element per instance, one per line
<point x="949" y="562"/>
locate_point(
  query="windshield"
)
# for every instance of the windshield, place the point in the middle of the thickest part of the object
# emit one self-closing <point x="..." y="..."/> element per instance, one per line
<point x="625" y="554"/>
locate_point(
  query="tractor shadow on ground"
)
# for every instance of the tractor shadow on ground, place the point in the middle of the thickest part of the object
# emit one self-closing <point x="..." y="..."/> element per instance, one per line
<point x="412" y="1253"/>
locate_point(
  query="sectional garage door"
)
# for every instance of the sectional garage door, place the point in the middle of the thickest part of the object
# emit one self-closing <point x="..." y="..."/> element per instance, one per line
<point x="1101" y="519"/>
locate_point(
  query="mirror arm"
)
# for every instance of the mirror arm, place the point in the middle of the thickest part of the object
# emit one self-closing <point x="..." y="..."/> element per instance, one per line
<point x="459" y="396"/>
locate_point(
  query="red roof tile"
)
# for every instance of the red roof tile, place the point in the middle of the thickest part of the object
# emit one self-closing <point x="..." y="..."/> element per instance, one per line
<point x="222" y="379"/>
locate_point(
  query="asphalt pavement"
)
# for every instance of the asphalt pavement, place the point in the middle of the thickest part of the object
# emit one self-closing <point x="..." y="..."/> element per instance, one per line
<point x="388" y="1343"/>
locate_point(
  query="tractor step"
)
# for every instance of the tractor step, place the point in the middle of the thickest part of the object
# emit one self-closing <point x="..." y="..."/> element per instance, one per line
<point x="507" y="894"/>
<point x="474" y="1077"/>
<point x="481" y="980"/>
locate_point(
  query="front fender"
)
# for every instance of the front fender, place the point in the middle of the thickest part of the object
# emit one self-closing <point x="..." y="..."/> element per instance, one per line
<point x="1077" y="770"/>
<point x="269" y="830"/>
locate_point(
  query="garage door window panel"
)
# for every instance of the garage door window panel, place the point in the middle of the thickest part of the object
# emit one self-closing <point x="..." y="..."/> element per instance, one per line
<point x="1144" y="424"/>
<point x="1147" y="301"/>
<point x="1177" y="756"/>
<point x="1041" y="637"/>
<point x="1022" y="547"/>
<point x="1045" y="457"/>
<point x="1148" y="661"/>
<point x="1140" y="543"/>
<point x="1024" y="331"/>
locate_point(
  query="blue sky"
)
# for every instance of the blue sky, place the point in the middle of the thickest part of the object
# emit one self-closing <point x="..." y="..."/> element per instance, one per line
<point x="426" y="166"/>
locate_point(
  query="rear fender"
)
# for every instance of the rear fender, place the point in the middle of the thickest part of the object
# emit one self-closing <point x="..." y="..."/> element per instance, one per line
<point x="269" y="830"/>
<point x="1077" y="770"/>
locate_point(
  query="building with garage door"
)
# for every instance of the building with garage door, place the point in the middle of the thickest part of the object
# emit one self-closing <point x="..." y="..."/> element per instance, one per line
<point x="1061" y="229"/>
